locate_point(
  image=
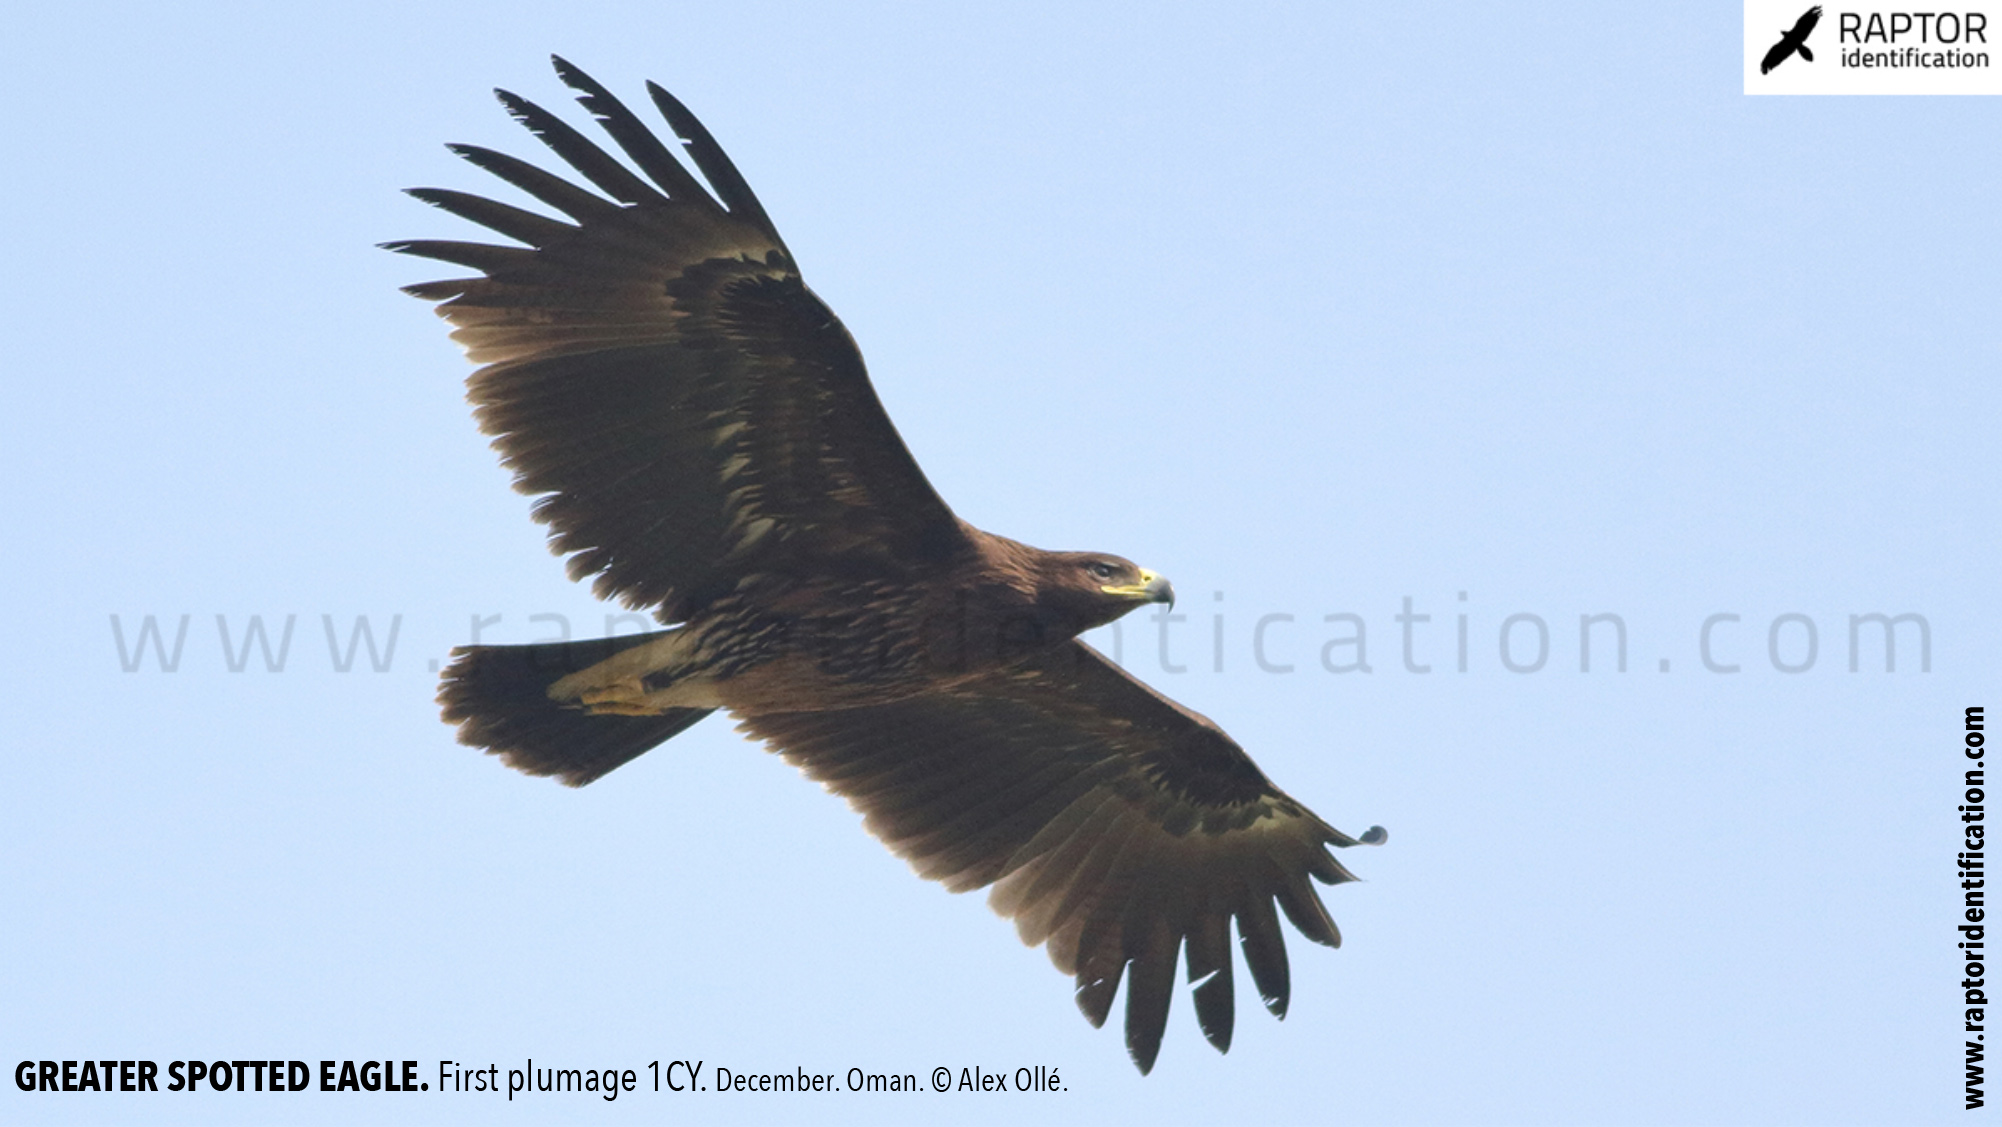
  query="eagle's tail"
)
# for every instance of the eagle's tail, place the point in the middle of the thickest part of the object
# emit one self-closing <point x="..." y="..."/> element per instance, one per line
<point x="1805" y="53"/>
<point x="499" y="698"/>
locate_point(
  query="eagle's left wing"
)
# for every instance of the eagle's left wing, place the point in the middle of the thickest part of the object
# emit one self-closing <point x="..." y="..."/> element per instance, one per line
<point x="1114" y="824"/>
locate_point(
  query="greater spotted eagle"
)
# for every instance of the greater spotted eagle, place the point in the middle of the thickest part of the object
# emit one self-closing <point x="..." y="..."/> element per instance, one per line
<point x="703" y="440"/>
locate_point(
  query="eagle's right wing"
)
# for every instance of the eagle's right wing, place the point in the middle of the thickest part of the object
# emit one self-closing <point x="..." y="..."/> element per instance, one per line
<point x="687" y="410"/>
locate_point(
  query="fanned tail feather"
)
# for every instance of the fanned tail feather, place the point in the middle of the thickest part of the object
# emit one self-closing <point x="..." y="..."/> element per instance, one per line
<point x="499" y="698"/>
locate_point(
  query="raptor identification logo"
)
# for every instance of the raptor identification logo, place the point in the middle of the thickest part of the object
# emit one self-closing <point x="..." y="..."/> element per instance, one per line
<point x="1792" y="47"/>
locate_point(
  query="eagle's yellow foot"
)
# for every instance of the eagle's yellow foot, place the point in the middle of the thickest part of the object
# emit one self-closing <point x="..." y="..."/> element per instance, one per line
<point x="621" y="698"/>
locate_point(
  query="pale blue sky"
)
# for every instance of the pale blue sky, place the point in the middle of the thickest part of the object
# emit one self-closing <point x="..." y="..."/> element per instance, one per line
<point x="1312" y="309"/>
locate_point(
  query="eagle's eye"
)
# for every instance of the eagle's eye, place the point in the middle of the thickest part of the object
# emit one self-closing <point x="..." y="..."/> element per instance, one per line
<point x="1100" y="570"/>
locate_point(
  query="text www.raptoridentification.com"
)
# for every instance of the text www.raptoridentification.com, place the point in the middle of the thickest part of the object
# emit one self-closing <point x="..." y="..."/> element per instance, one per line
<point x="1974" y="901"/>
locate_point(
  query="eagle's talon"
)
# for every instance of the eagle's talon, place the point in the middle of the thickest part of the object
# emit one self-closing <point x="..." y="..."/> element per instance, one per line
<point x="621" y="698"/>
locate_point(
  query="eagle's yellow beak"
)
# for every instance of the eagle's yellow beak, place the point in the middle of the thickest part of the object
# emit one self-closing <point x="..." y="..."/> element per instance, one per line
<point x="1151" y="589"/>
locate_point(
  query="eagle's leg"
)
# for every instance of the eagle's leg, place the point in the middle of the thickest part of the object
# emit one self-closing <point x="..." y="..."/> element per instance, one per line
<point x="644" y="680"/>
<point x="626" y="697"/>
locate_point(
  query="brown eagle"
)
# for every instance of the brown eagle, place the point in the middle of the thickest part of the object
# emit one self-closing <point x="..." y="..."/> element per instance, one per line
<point x="703" y="440"/>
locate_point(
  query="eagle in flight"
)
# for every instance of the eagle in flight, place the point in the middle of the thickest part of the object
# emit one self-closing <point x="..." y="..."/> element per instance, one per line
<point x="1791" y="41"/>
<point x="702" y="440"/>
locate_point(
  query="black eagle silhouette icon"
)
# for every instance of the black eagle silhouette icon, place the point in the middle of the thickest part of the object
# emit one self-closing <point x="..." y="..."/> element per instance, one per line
<point x="1791" y="41"/>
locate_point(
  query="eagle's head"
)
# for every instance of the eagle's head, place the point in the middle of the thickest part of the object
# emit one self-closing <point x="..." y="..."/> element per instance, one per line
<point x="1093" y="588"/>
